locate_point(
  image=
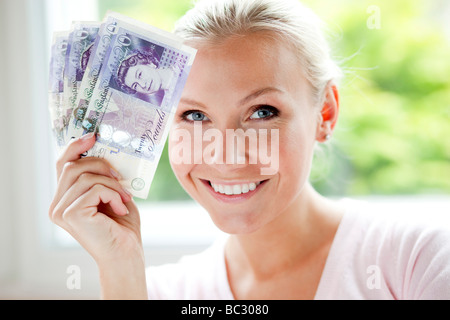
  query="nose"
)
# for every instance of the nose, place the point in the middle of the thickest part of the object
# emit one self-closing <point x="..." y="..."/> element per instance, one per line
<point x="247" y="150"/>
<point x="229" y="150"/>
<point x="142" y="83"/>
<point x="145" y="85"/>
<point x="239" y="144"/>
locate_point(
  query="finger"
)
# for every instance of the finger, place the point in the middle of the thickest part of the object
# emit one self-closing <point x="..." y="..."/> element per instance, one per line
<point x="74" y="169"/>
<point x="84" y="182"/>
<point x="101" y="194"/>
<point x="87" y="180"/>
<point x="83" y="220"/>
<point x="132" y="207"/>
<point x="86" y="205"/>
<point x="74" y="150"/>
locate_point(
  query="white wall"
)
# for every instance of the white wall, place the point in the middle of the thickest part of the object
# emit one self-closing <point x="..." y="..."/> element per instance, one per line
<point x="26" y="178"/>
<point x="16" y="130"/>
<point x="29" y="266"/>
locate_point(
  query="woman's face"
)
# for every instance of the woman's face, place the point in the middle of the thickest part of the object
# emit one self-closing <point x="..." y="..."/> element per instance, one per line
<point x="143" y="78"/>
<point x="249" y="83"/>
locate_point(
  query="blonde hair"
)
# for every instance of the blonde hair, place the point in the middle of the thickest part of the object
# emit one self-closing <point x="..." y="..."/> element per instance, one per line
<point x="212" y="21"/>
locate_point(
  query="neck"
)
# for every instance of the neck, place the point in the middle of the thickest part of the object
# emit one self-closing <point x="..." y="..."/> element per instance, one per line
<point x="303" y="228"/>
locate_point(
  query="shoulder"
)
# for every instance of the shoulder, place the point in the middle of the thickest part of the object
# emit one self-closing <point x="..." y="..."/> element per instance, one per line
<point x="403" y="227"/>
<point x="196" y="276"/>
<point x="399" y="225"/>
<point x="409" y="250"/>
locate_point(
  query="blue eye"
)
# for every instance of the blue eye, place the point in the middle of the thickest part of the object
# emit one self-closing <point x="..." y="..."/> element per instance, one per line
<point x="195" y="116"/>
<point x="264" y="112"/>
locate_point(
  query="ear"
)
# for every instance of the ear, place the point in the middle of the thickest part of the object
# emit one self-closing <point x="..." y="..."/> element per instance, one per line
<point x="328" y="113"/>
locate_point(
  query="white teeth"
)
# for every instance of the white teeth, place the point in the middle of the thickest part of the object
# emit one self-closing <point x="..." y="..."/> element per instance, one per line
<point x="228" y="190"/>
<point x="235" y="188"/>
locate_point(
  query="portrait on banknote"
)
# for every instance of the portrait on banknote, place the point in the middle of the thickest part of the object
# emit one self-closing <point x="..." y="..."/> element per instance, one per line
<point x="141" y="74"/>
<point x="84" y="61"/>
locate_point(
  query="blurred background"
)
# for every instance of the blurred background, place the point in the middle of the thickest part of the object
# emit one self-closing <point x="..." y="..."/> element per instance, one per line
<point x="391" y="145"/>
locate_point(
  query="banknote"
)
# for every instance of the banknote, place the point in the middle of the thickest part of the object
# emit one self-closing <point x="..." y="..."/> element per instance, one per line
<point x="95" y="56"/>
<point x="79" y="48"/>
<point x="134" y="99"/>
<point x="56" y="86"/>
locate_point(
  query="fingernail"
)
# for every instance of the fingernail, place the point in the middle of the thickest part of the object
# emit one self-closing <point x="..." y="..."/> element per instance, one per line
<point x="87" y="136"/>
<point x="115" y="174"/>
<point x="127" y="192"/>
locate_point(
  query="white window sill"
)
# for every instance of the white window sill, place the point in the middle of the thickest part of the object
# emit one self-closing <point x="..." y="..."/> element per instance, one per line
<point x="165" y="225"/>
<point x="185" y="224"/>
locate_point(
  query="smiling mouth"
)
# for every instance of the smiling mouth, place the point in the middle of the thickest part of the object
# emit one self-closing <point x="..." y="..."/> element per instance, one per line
<point x="234" y="189"/>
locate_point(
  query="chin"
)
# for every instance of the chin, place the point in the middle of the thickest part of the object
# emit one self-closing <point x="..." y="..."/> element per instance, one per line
<point x="238" y="222"/>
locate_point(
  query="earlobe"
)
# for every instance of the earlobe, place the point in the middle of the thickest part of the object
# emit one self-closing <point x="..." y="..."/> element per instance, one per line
<point x="329" y="113"/>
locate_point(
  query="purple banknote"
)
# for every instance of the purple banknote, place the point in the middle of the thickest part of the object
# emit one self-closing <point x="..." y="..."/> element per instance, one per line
<point x="79" y="50"/>
<point x="56" y="86"/>
<point x="135" y="96"/>
<point x="94" y="65"/>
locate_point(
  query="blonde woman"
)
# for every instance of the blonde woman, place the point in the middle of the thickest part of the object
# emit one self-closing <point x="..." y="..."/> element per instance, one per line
<point x="261" y="64"/>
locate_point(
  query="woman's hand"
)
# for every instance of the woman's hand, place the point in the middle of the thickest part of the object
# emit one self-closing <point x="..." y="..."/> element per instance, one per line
<point x="94" y="208"/>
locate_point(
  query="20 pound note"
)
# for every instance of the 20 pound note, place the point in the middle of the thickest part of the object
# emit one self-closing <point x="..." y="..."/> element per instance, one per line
<point x="133" y="103"/>
<point x="96" y="55"/>
<point x="81" y="40"/>
<point x="56" y="86"/>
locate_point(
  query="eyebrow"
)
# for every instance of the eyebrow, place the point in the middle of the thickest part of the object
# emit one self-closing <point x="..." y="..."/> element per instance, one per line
<point x="255" y="94"/>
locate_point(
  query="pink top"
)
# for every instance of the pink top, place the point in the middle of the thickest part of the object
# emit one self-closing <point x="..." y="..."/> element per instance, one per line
<point x="370" y="258"/>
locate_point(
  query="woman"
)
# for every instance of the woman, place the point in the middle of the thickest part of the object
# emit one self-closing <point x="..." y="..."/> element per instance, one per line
<point x="260" y="64"/>
<point x="138" y="74"/>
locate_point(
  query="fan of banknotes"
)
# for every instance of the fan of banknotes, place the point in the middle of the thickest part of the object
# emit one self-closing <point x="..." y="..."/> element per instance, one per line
<point x="121" y="79"/>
